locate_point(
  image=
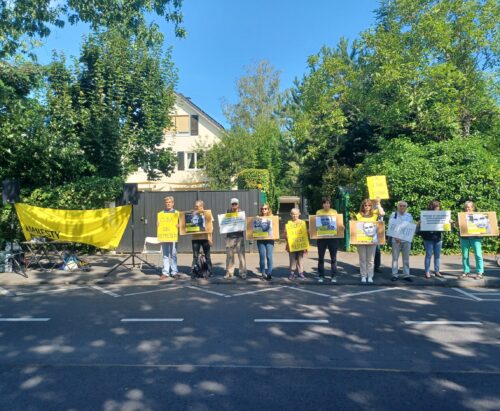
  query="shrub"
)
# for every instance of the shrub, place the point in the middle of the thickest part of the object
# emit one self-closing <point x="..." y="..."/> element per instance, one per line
<point x="452" y="171"/>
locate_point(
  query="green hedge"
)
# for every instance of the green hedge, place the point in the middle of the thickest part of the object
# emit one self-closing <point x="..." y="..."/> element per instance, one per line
<point x="452" y="171"/>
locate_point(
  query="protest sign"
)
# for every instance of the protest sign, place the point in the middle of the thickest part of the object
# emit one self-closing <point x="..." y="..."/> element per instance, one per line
<point x="196" y="222"/>
<point x="326" y="226"/>
<point x="377" y="187"/>
<point x="167" y="230"/>
<point x="297" y="237"/>
<point x="478" y="224"/>
<point x="263" y="228"/>
<point x="402" y="230"/>
<point x="367" y="232"/>
<point x="232" y="222"/>
<point x="435" y="220"/>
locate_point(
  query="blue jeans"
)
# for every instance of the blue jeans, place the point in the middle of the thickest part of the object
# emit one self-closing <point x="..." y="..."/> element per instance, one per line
<point x="169" y="258"/>
<point x="432" y="247"/>
<point x="265" y="248"/>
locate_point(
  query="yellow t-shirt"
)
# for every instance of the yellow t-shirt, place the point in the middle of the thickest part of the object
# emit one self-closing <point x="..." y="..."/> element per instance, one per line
<point x="331" y="211"/>
<point x="374" y="217"/>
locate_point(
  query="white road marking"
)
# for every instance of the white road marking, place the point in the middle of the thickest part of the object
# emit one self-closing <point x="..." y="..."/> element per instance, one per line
<point x="444" y="322"/>
<point x="498" y="294"/>
<point x="208" y="291"/>
<point x="3" y="291"/>
<point x="153" y="291"/>
<point x="257" y="291"/>
<point x="103" y="290"/>
<point x="24" y="319"/>
<point x="56" y="290"/>
<point x="149" y="320"/>
<point x="458" y="290"/>
<point x="435" y="294"/>
<point x="284" y="320"/>
<point x="368" y="292"/>
<point x="306" y="291"/>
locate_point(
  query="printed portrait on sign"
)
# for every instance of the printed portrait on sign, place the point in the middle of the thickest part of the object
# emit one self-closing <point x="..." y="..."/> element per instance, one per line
<point x="195" y="222"/>
<point x="326" y="223"/>
<point x="366" y="232"/>
<point x="262" y="227"/>
<point x="478" y="223"/>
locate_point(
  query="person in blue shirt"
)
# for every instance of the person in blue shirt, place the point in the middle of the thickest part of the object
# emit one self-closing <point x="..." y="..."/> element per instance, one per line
<point x="169" y="249"/>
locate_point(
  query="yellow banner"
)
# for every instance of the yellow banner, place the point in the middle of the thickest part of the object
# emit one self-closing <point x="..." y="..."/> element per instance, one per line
<point x="168" y="231"/>
<point x="102" y="228"/>
<point x="377" y="187"/>
<point x="296" y="233"/>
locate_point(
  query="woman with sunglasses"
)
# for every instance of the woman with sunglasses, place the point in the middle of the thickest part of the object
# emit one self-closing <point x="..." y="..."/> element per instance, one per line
<point x="266" y="246"/>
<point x="366" y="252"/>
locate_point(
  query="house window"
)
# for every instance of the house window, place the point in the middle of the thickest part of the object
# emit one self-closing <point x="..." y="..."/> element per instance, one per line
<point x="185" y="125"/>
<point x="192" y="161"/>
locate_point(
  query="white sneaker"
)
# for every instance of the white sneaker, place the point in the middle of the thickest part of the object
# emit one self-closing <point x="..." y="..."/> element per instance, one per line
<point x="370" y="279"/>
<point x="320" y="279"/>
<point x="363" y="279"/>
<point x="334" y="278"/>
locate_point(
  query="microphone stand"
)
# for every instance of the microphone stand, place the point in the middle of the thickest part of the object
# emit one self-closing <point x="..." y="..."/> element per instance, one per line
<point x="133" y="254"/>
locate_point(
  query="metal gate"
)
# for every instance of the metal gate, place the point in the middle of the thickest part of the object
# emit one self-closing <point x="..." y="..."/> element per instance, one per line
<point x="151" y="202"/>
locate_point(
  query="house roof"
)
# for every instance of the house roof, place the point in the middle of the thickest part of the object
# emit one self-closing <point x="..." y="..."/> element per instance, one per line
<point x="188" y="101"/>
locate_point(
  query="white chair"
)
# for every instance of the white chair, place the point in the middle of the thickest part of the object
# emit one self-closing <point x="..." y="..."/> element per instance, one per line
<point x="151" y="247"/>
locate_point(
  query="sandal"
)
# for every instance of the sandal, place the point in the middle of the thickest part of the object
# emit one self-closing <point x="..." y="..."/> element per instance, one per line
<point x="463" y="276"/>
<point x="427" y="275"/>
<point x="438" y="274"/>
<point x="478" y="277"/>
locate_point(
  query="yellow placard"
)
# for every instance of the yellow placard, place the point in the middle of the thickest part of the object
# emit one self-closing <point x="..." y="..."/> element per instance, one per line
<point x="167" y="227"/>
<point x="377" y="187"/>
<point x="101" y="228"/>
<point x="297" y="237"/>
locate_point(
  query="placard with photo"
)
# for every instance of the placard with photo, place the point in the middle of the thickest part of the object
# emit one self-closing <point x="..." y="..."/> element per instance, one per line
<point x="326" y="226"/>
<point x="478" y="224"/>
<point x="367" y="232"/>
<point x="263" y="228"/>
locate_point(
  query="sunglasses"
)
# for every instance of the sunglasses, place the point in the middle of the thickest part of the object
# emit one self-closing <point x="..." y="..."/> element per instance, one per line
<point x="234" y="203"/>
<point x="264" y="208"/>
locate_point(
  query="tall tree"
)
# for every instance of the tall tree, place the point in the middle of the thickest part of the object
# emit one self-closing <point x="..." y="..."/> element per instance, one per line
<point x="21" y="22"/>
<point x="255" y="136"/>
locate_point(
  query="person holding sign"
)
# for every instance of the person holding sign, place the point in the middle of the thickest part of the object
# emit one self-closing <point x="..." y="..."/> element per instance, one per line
<point x="466" y="243"/>
<point x="433" y="241"/>
<point x="366" y="252"/>
<point x="265" y="246"/>
<point x="326" y="215"/>
<point x="235" y="243"/>
<point x="202" y="240"/>
<point x="400" y="246"/>
<point x="168" y="224"/>
<point x="297" y="243"/>
<point x="379" y="212"/>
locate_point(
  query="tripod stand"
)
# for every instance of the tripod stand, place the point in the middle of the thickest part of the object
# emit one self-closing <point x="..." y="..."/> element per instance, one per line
<point x="11" y="260"/>
<point x="133" y="254"/>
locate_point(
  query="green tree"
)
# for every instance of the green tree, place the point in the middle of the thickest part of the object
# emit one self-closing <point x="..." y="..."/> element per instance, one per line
<point x="124" y="95"/>
<point x="255" y="138"/>
<point x="21" y="22"/>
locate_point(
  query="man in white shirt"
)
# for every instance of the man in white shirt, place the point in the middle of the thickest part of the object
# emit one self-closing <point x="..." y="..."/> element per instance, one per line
<point x="400" y="246"/>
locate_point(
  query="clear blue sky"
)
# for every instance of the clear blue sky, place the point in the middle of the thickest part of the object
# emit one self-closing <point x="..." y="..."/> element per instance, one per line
<point x="225" y="36"/>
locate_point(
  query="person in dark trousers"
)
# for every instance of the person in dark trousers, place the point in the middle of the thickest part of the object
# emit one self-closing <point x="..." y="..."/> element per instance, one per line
<point x="379" y="211"/>
<point x="332" y="244"/>
<point x="203" y="240"/>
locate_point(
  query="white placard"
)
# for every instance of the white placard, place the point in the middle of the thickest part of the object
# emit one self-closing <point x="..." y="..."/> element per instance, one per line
<point x="232" y="222"/>
<point x="403" y="230"/>
<point x="435" y="220"/>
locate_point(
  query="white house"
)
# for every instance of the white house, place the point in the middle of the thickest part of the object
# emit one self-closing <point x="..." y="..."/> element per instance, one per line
<point x="192" y="128"/>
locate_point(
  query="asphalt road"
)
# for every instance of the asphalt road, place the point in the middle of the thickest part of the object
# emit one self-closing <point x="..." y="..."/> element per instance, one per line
<point x="249" y="347"/>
